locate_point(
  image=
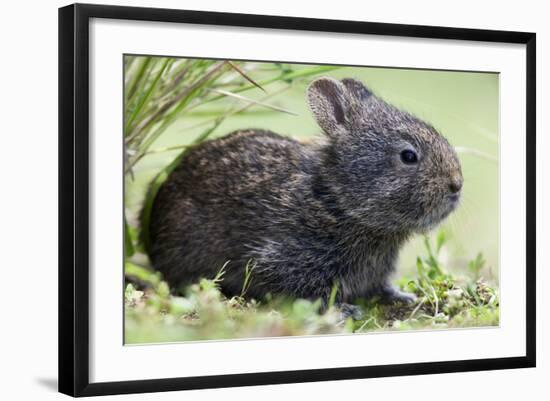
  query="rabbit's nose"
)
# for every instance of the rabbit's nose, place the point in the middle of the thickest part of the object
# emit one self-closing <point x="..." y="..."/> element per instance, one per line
<point x="456" y="185"/>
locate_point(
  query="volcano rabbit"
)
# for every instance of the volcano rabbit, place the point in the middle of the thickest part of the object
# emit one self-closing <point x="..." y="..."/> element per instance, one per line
<point x="305" y="217"/>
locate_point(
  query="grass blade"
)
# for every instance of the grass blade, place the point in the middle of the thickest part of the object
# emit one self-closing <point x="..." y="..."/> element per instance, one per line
<point x="146" y="96"/>
<point x="475" y="152"/>
<point x="128" y="244"/>
<point x="245" y="75"/>
<point x="132" y="89"/>
<point x="252" y="101"/>
<point x="287" y="76"/>
<point x="167" y="117"/>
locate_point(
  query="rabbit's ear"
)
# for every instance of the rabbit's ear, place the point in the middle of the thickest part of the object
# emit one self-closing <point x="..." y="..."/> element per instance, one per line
<point x="356" y="88"/>
<point x="328" y="102"/>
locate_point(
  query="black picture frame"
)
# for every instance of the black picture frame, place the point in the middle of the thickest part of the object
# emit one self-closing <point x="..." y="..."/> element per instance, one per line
<point x="74" y="198"/>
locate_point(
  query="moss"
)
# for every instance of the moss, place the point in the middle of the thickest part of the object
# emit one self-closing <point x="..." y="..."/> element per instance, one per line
<point x="202" y="312"/>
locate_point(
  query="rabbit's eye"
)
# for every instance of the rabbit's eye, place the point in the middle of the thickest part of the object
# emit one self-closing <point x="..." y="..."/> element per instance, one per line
<point x="409" y="157"/>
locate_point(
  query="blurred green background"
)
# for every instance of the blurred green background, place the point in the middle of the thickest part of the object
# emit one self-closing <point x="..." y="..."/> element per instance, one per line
<point x="463" y="106"/>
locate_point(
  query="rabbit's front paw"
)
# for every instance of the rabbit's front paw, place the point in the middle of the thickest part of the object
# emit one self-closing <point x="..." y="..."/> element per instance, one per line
<point x="391" y="295"/>
<point x="349" y="310"/>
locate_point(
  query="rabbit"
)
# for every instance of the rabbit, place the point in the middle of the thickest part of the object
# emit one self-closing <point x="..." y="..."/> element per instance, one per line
<point x="302" y="218"/>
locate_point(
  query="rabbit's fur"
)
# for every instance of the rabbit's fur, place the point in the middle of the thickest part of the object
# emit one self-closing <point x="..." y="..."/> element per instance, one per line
<point x="305" y="217"/>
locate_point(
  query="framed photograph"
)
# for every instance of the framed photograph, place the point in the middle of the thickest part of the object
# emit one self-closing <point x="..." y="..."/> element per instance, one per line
<point x="251" y="199"/>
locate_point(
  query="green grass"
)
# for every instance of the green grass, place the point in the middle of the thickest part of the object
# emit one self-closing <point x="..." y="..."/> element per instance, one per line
<point x="171" y="104"/>
<point x="202" y="312"/>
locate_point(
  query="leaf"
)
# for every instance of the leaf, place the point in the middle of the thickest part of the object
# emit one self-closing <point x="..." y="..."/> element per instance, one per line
<point x="219" y="114"/>
<point x="476" y="265"/>
<point x="249" y="268"/>
<point x="475" y="152"/>
<point x="440" y="240"/>
<point x="432" y="260"/>
<point x="145" y="97"/>
<point x="129" y="249"/>
<point x="285" y="76"/>
<point x="256" y="102"/>
<point x="419" y="267"/>
<point x="175" y="108"/>
<point x="142" y="274"/>
<point x="138" y="78"/>
<point x="333" y="293"/>
<point x="245" y="75"/>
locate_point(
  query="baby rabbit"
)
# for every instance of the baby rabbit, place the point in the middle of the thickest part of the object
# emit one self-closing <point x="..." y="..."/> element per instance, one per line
<point x="306" y="217"/>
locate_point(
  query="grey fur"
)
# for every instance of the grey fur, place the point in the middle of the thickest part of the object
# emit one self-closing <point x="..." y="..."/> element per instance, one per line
<point x="307" y="215"/>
